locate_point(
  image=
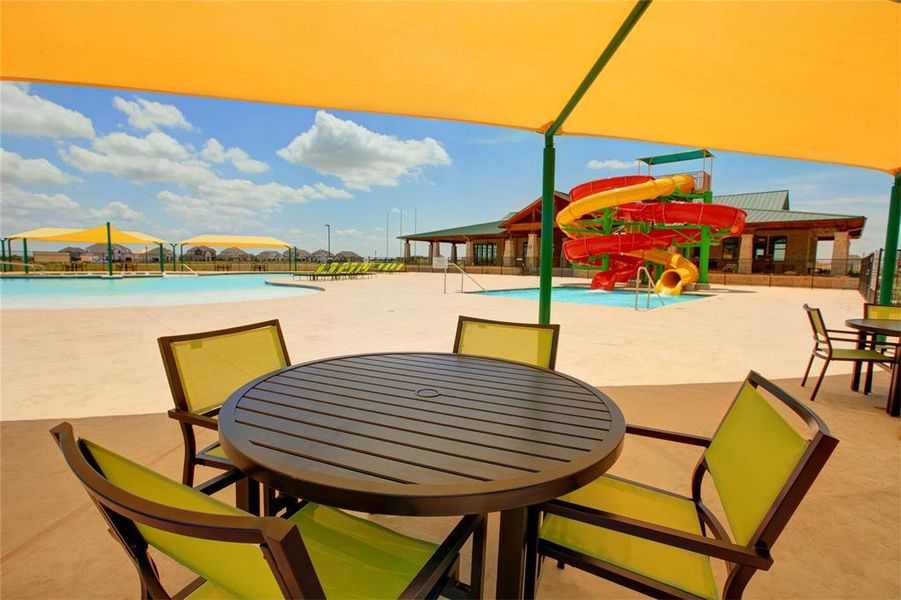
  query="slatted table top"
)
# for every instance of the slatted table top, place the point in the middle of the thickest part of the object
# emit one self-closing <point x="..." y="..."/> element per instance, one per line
<point x="421" y="433"/>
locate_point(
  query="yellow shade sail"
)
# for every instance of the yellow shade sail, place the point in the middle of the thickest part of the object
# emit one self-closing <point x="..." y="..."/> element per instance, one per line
<point x="809" y="80"/>
<point x="94" y="235"/>
<point x="238" y="241"/>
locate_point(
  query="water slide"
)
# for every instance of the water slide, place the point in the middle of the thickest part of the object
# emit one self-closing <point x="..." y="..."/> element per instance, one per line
<point x="627" y="251"/>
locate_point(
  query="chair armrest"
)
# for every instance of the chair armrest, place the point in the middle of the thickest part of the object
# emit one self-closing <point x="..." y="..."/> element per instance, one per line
<point x="434" y="568"/>
<point x="669" y="436"/>
<point x="845" y="331"/>
<point x="192" y="419"/>
<point x="658" y="533"/>
<point x="839" y="339"/>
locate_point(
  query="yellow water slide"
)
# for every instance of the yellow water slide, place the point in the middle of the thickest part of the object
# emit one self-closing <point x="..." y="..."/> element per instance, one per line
<point x="680" y="271"/>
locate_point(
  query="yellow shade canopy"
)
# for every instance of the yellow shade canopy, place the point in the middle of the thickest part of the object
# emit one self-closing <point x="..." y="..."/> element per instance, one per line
<point x="238" y="241"/>
<point x="94" y="235"/>
<point x="809" y="80"/>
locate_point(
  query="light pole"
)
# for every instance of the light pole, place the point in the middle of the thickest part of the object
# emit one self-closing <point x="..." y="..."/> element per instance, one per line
<point x="328" y="248"/>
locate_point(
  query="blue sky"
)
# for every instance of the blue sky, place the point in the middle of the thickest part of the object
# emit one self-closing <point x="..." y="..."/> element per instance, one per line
<point x="176" y="166"/>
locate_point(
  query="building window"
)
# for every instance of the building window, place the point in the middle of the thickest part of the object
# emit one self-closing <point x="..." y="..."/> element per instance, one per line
<point x="759" y="247"/>
<point x="777" y="248"/>
<point x="484" y="254"/>
<point x="730" y="248"/>
<point x="525" y="249"/>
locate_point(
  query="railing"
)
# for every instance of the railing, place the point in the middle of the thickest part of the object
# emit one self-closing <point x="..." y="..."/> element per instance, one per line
<point x="767" y="266"/>
<point x="871" y="277"/>
<point x="462" y="275"/>
<point x="38" y="266"/>
<point x="650" y="288"/>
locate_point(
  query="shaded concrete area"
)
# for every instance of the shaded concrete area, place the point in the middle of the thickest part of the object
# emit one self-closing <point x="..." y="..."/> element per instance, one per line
<point x="842" y="543"/>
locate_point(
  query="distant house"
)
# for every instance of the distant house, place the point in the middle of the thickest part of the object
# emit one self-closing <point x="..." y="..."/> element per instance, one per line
<point x="235" y="254"/>
<point x="270" y="255"/>
<point x="302" y="255"/>
<point x="120" y="253"/>
<point x="321" y="256"/>
<point x="200" y="253"/>
<point x="348" y="256"/>
<point x="152" y="254"/>
<point x="74" y="252"/>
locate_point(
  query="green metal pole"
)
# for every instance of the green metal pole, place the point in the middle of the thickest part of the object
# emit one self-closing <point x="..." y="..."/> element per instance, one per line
<point x="547" y="182"/>
<point x="174" y="257"/>
<point x="891" y="244"/>
<point x="25" y="254"/>
<point x="3" y="252"/>
<point x="162" y="259"/>
<point x="109" y="251"/>
<point x="704" y="260"/>
<point x="607" y="229"/>
<point x="181" y="256"/>
<point x="547" y="231"/>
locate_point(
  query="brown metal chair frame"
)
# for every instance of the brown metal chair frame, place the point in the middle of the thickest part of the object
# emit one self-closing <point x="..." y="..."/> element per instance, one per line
<point x="278" y="539"/>
<point x="187" y="420"/>
<point x="743" y="561"/>
<point x="555" y="328"/>
<point x="822" y="348"/>
<point x="874" y="345"/>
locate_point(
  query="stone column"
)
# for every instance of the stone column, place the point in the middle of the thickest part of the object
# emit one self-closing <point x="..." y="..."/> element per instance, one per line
<point x="509" y="253"/>
<point x="746" y="253"/>
<point x="469" y="256"/>
<point x="431" y="251"/>
<point x="841" y="247"/>
<point x="437" y="249"/>
<point x="453" y="256"/>
<point x="406" y="250"/>
<point x="532" y="251"/>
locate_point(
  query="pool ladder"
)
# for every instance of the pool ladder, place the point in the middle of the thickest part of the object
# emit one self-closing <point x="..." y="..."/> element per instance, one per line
<point x="650" y="288"/>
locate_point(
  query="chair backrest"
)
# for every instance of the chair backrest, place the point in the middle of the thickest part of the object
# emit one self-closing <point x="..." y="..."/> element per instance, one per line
<point x="203" y="369"/>
<point x="882" y="311"/>
<point x="320" y="268"/>
<point x="817" y="324"/>
<point x="761" y="465"/>
<point x="246" y="556"/>
<point x="521" y="342"/>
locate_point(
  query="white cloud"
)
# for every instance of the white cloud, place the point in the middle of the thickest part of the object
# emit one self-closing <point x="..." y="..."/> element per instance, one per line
<point x="149" y="115"/>
<point x="215" y="152"/>
<point x="360" y="157"/>
<point x="154" y="157"/>
<point x="348" y="232"/>
<point x="215" y="216"/>
<point x="118" y="212"/>
<point x="15" y="169"/>
<point x="611" y="164"/>
<point x="22" y="209"/>
<point x="24" y="113"/>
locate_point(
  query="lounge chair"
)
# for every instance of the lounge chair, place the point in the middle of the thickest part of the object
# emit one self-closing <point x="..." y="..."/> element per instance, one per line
<point x="822" y="348"/>
<point x="317" y="552"/>
<point x="656" y="542"/>
<point x="311" y="274"/>
<point x="522" y="342"/>
<point x="203" y="369"/>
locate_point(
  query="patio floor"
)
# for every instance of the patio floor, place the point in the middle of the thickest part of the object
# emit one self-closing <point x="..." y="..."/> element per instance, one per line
<point x="842" y="543"/>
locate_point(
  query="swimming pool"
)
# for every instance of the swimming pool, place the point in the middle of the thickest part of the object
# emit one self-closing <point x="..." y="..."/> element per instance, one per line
<point x="96" y="292"/>
<point x="581" y="295"/>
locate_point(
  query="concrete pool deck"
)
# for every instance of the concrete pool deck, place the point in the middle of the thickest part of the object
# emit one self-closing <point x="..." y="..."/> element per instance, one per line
<point x="105" y="361"/>
<point x="677" y="368"/>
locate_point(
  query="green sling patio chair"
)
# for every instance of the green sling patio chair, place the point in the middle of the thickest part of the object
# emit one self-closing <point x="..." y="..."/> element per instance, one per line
<point x="318" y="552"/>
<point x="521" y="342"/>
<point x="203" y="369"/>
<point x="823" y="339"/>
<point x="887" y="312"/>
<point x="659" y="543"/>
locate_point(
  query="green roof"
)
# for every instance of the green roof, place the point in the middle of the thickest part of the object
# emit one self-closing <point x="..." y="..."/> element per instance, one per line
<point x="756" y="215"/>
<point x="663" y="159"/>
<point x="775" y="200"/>
<point x="490" y="228"/>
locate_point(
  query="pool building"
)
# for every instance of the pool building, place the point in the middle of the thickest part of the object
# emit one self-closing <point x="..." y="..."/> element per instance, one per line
<point x="775" y="240"/>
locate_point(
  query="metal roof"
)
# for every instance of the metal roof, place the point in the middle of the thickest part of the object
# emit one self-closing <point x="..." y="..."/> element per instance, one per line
<point x="775" y="200"/>
<point x="490" y="228"/>
<point x="756" y="215"/>
<point x="663" y="159"/>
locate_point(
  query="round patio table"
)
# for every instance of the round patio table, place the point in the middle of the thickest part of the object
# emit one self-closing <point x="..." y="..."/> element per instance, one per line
<point x="425" y="434"/>
<point x="890" y="328"/>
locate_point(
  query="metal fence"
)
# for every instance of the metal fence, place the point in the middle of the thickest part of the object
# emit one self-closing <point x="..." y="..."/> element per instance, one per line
<point x="871" y="277"/>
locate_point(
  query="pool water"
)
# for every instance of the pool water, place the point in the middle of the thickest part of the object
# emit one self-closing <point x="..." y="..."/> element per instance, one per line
<point x="580" y="295"/>
<point x="95" y="292"/>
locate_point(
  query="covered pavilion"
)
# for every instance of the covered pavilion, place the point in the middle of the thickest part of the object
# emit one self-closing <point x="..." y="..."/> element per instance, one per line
<point x="237" y="242"/>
